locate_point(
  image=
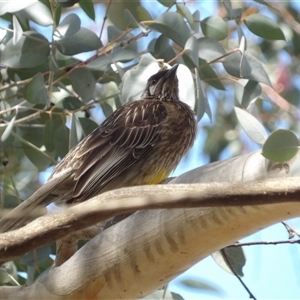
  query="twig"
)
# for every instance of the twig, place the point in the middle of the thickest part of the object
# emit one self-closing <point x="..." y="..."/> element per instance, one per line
<point x="105" y="18"/>
<point x="251" y="296"/>
<point x="265" y="243"/>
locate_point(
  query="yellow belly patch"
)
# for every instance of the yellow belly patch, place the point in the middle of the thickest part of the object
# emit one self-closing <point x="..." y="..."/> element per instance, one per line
<point x="156" y="178"/>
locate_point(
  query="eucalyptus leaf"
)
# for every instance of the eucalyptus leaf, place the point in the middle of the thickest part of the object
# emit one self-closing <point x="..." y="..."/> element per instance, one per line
<point x="14" y="6"/>
<point x="185" y="12"/>
<point x="143" y="14"/>
<point x="8" y="129"/>
<point x="162" y="48"/>
<point x="281" y="146"/>
<point x="209" y="75"/>
<point x="214" y="27"/>
<point x="87" y="125"/>
<point x="252" y="126"/>
<point x="69" y="103"/>
<point x="38" y="12"/>
<point x="248" y="92"/>
<point x="173" y="26"/>
<point x="88" y="7"/>
<point x="35" y="91"/>
<point x="51" y="127"/>
<point x="30" y="51"/>
<point x="196" y="24"/>
<point x="210" y="49"/>
<point x="7" y="270"/>
<point x="83" y="40"/>
<point x="202" y="104"/>
<point x="18" y="32"/>
<point x="161" y="294"/>
<point x="231" y="259"/>
<point x="132" y="22"/>
<point x="83" y="83"/>
<point x="251" y="68"/>
<point x="199" y="286"/>
<point x="167" y="3"/>
<point x="192" y="48"/>
<point x="76" y="132"/>
<point x="264" y="27"/>
<point x="61" y="140"/>
<point x="69" y="26"/>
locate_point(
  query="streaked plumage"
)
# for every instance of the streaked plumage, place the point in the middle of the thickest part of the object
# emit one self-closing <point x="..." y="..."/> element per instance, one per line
<point x="140" y="143"/>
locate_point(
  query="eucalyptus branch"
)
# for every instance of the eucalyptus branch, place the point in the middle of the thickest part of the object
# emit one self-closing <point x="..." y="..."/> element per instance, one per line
<point x="238" y="244"/>
<point x="105" y="18"/>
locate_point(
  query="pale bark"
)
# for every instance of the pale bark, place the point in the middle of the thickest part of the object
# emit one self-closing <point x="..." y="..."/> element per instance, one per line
<point x="146" y="250"/>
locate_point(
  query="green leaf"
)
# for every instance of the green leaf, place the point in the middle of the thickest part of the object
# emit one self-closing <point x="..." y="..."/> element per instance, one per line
<point x="14" y="6"/>
<point x="251" y="125"/>
<point x="38" y="12"/>
<point x="82" y="41"/>
<point x="30" y="51"/>
<point x="88" y="7"/>
<point x="200" y="286"/>
<point x="192" y="48"/>
<point x="231" y="258"/>
<point x="83" y="83"/>
<point x="67" y="3"/>
<point x="51" y="127"/>
<point x="7" y="270"/>
<point x="76" y="132"/>
<point x="132" y="22"/>
<point x="36" y="156"/>
<point x="61" y="140"/>
<point x="107" y="109"/>
<point x="210" y="49"/>
<point x="209" y="75"/>
<point x="8" y="129"/>
<point x="202" y="104"/>
<point x="246" y="94"/>
<point x="163" y="49"/>
<point x="214" y="27"/>
<point x="87" y="125"/>
<point x="161" y="294"/>
<point x="167" y="3"/>
<point x="143" y="14"/>
<point x="196" y="23"/>
<point x="69" y="103"/>
<point x="18" y="32"/>
<point x="251" y="68"/>
<point x="264" y="27"/>
<point x="281" y="146"/>
<point x="35" y="91"/>
<point x="184" y="11"/>
<point x="69" y="26"/>
<point x="173" y="26"/>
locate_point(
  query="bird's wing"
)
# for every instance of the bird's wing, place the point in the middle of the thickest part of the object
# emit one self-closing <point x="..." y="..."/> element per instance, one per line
<point x="126" y="136"/>
<point x="33" y="205"/>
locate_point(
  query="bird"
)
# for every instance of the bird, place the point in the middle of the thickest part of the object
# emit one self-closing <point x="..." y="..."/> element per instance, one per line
<point x="140" y="143"/>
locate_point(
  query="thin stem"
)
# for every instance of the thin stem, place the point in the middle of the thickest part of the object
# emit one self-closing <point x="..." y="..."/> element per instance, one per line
<point x="266" y="243"/>
<point x="105" y="18"/>
<point x="251" y="296"/>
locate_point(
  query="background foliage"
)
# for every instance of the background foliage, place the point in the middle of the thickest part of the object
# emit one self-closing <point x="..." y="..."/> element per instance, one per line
<point x="63" y="66"/>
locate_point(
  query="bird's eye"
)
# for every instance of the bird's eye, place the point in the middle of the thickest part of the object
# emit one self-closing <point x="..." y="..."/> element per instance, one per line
<point x="154" y="81"/>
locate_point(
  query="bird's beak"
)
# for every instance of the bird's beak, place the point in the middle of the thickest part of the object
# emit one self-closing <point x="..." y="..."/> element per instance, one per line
<point x="172" y="72"/>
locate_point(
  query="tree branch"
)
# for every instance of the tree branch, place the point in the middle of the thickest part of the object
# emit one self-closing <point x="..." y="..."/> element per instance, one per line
<point x="105" y="206"/>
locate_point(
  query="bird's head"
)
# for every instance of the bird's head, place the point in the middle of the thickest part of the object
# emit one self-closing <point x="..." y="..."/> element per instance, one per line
<point x="163" y="85"/>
